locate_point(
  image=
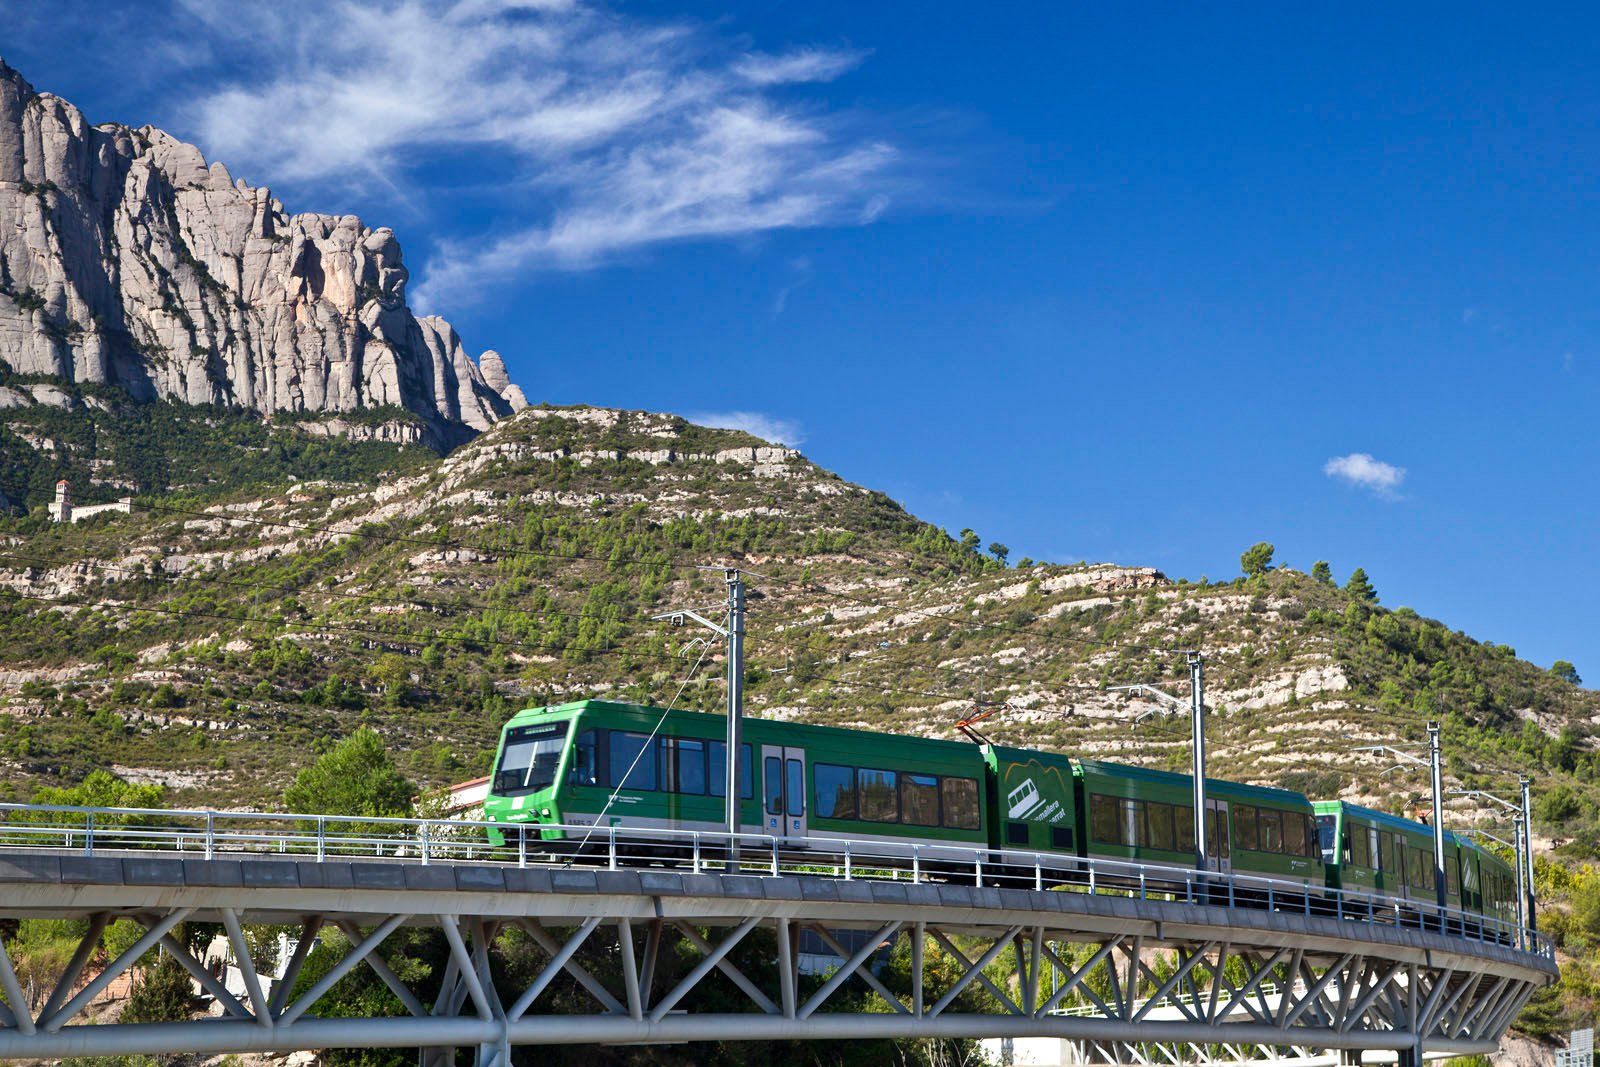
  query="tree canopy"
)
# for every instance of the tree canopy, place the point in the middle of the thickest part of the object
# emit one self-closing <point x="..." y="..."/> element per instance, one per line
<point x="1321" y="572"/>
<point x="1257" y="559"/>
<point x="1360" y="587"/>
<point x="355" y="777"/>
<point x="1564" y="670"/>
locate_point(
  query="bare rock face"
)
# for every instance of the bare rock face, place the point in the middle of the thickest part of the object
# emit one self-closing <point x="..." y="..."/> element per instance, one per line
<point x="126" y="260"/>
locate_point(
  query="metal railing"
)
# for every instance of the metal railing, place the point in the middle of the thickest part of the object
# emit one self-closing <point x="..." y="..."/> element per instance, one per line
<point x="90" y="831"/>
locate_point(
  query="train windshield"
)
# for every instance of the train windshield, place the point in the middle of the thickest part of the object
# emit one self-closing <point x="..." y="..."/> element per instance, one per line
<point x="1326" y="824"/>
<point x="528" y="763"/>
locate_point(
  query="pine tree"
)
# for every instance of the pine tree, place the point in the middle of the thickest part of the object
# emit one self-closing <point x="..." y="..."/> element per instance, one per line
<point x="1257" y="559"/>
<point x="1360" y="587"/>
<point x="1321" y="572"/>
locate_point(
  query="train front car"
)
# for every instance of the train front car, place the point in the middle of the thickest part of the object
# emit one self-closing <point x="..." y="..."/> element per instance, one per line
<point x="624" y="767"/>
<point x="529" y="765"/>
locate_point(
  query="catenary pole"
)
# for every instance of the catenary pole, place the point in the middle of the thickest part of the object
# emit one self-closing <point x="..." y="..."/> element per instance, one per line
<point x="1527" y="852"/>
<point x="1438" y="817"/>
<point x="1197" y="710"/>
<point x="735" y="701"/>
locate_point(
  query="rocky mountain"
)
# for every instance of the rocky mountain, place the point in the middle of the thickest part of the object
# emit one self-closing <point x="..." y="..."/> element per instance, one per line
<point x="126" y="260"/>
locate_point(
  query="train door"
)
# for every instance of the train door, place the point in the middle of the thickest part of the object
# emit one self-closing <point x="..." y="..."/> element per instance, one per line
<point x="1217" y="835"/>
<point x="783" y="780"/>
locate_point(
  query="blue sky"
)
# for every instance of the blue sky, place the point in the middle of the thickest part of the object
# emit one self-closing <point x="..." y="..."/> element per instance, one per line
<point x="1098" y="282"/>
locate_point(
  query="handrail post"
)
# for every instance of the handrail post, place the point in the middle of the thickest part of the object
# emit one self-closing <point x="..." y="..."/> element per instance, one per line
<point x="774" y="857"/>
<point x="422" y="834"/>
<point x="522" y="848"/>
<point x="848" y="873"/>
<point x="916" y="864"/>
<point x="1038" y="873"/>
<point x="696" y="859"/>
<point x="88" y="834"/>
<point x="611" y="849"/>
<point x="211" y="834"/>
<point x="322" y="839"/>
<point x="978" y="880"/>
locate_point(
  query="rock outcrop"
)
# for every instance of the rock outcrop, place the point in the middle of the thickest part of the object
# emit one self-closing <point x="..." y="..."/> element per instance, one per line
<point x="125" y="259"/>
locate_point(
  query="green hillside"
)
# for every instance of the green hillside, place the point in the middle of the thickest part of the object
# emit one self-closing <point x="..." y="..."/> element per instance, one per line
<point x="273" y="592"/>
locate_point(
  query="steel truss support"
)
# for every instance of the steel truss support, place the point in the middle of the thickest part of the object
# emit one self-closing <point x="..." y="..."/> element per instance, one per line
<point x="1131" y="998"/>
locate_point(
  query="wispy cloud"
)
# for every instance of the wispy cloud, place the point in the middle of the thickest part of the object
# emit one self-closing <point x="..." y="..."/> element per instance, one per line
<point x="1361" y="469"/>
<point x="603" y="132"/>
<point x="803" y="65"/>
<point x="767" y="427"/>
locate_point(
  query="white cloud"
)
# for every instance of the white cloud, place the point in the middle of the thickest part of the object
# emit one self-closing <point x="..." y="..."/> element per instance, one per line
<point x="767" y="427"/>
<point x="599" y="132"/>
<point x="804" y="65"/>
<point x="1363" y="470"/>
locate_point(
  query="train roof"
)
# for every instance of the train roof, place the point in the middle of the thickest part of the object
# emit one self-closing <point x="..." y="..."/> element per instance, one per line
<point x="1217" y="786"/>
<point x="838" y="733"/>
<point x="1382" y="818"/>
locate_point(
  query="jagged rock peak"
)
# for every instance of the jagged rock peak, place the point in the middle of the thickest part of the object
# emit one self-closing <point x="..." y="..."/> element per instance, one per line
<point x="126" y="259"/>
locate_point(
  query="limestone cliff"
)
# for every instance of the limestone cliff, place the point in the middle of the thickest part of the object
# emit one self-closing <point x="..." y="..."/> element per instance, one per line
<point x="126" y="260"/>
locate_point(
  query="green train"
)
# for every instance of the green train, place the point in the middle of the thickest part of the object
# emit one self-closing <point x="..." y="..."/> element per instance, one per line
<point x="598" y="763"/>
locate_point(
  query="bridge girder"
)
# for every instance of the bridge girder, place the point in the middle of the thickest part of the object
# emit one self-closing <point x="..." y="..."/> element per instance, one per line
<point x="1135" y="980"/>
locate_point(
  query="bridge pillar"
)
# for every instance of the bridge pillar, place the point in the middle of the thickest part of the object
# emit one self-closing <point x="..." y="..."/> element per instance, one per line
<point x="1409" y="1057"/>
<point x="1349" y="1057"/>
<point x="436" y="1057"/>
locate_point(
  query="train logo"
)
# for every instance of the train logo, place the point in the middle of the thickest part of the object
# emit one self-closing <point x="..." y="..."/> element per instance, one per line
<point x="1023" y="799"/>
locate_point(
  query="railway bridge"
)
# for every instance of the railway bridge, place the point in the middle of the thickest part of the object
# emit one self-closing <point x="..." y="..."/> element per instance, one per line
<point x="1135" y="964"/>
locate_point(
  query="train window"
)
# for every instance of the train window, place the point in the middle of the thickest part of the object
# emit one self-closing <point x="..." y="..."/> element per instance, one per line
<point x="1270" y="825"/>
<point x="772" y="778"/>
<point x="878" y="796"/>
<point x="960" y="803"/>
<point x="1016" y="833"/>
<point x="836" y="791"/>
<point x="585" y="769"/>
<point x="1061" y="838"/>
<point x="1327" y="835"/>
<point x="795" y="787"/>
<point x="1103" y="819"/>
<point x="1184" y="820"/>
<point x="1244" y="828"/>
<point x="689" y="770"/>
<point x="633" y="762"/>
<point x="1360" y="847"/>
<point x="1452" y="884"/>
<point x="919" y="799"/>
<point x="528" y="762"/>
<point x="717" y="770"/>
<point x="1159" y="817"/>
<point x="1132" y="831"/>
<point x="1294" y="834"/>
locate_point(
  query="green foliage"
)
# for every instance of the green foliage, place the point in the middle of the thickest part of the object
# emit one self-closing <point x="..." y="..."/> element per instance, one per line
<point x="1360" y="587"/>
<point x="356" y="777"/>
<point x="1321" y="572"/>
<point x="1257" y="559"/>
<point x="1559" y="805"/>
<point x="157" y="447"/>
<point x="1564" y="670"/>
<point x="160" y="993"/>
<point x="102" y="789"/>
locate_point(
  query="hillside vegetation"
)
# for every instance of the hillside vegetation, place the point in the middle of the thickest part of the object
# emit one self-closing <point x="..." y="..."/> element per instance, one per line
<point x="251" y="612"/>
